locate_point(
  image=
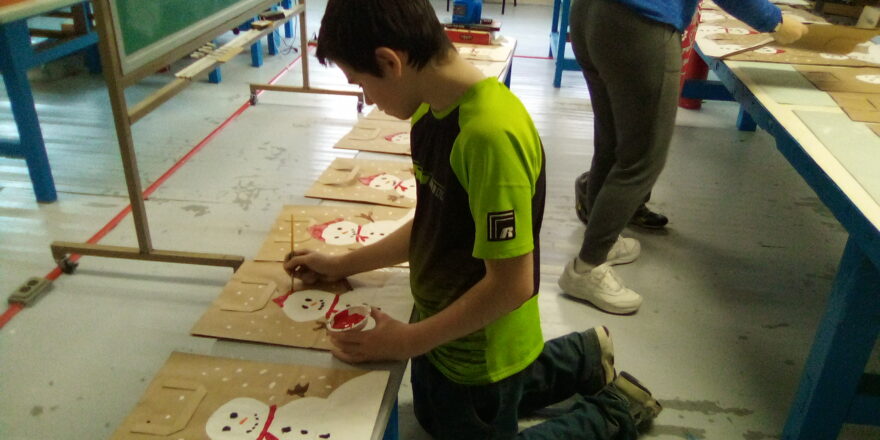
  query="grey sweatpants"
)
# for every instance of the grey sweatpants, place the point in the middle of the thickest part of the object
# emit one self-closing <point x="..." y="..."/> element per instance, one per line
<point x="632" y="66"/>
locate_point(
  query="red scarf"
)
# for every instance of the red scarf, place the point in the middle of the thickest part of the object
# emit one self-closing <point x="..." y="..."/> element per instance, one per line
<point x="264" y="434"/>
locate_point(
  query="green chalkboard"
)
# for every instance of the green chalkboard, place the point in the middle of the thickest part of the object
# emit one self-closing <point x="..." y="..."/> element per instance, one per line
<point x="144" y="22"/>
<point x="148" y="29"/>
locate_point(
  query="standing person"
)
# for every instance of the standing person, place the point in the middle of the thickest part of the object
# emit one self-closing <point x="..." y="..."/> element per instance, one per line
<point x="478" y="356"/>
<point x="630" y="54"/>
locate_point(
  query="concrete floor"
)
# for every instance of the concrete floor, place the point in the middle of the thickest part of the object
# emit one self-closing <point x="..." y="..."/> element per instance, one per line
<point x="733" y="288"/>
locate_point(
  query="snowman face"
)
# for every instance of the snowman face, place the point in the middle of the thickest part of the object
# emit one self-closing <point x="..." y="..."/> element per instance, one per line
<point x="384" y="181"/>
<point x="340" y="233"/>
<point x="398" y="138"/>
<point x="871" y="79"/>
<point x="304" y="419"/>
<point x="307" y="305"/>
<point x="407" y="188"/>
<point x="241" y="418"/>
<point x="375" y="231"/>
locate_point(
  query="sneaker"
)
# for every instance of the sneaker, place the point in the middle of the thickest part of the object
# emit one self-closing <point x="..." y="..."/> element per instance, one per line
<point x="600" y="287"/>
<point x="642" y="406"/>
<point x="625" y="250"/>
<point x="645" y="218"/>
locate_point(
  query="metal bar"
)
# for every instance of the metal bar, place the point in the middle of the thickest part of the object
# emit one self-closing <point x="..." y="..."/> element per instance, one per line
<point x="11" y="149"/>
<point x="62" y="48"/>
<point x="61" y="249"/>
<point x="304" y="43"/>
<point x="277" y="88"/>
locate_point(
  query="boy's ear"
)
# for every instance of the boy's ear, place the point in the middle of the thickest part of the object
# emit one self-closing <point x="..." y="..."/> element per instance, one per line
<point x="391" y="62"/>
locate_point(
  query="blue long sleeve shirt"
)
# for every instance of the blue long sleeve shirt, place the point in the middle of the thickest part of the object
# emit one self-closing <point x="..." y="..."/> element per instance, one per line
<point x="759" y="14"/>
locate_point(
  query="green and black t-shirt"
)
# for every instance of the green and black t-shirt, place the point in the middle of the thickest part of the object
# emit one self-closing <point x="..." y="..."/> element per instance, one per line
<point x="480" y="172"/>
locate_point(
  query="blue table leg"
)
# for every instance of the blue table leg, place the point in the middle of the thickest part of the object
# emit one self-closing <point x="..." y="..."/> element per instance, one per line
<point x="391" y="429"/>
<point x="562" y="40"/>
<point x="744" y="121"/>
<point x="215" y="76"/>
<point x="32" y="148"/>
<point x="272" y="37"/>
<point x="840" y="352"/>
<point x="257" y="54"/>
<point x="288" y="27"/>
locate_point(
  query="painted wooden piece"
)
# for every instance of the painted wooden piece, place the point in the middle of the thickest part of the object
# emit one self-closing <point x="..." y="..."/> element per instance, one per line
<point x="204" y="397"/>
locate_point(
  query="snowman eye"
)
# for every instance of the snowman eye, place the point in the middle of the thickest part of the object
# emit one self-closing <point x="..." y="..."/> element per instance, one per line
<point x="305" y="306"/>
<point x="226" y="428"/>
<point x="233" y="415"/>
<point x="285" y="429"/>
<point x="308" y="299"/>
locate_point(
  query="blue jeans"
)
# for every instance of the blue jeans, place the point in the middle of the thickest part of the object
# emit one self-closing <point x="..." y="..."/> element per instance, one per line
<point x="568" y="366"/>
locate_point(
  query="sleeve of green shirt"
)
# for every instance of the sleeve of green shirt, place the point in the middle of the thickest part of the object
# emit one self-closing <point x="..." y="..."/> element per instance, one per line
<point x="499" y="176"/>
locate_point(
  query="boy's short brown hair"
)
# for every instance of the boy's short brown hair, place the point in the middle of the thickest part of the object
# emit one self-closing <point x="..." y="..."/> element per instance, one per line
<point x="352" y="30"/>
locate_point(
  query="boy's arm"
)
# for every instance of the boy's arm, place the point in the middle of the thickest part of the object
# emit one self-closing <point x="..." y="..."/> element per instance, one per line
<point x="312" y="267"/>
<point x="391" y="250"/>
<point x="507" y="285"/>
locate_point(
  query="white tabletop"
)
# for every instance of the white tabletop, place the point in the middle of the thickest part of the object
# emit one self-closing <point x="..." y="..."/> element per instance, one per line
<point x="852" y="167"/>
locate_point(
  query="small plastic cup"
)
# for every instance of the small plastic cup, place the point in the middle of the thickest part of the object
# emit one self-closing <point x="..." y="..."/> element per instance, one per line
<point x="353" y="318"/>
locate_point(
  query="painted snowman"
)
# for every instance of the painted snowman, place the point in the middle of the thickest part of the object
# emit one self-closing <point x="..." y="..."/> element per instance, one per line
<point x="318" y="305"/>
<point x="387" y="182"/>
<point x="244" y="418"/>
<point x="398" y="138"/>
<point x="341" y="232"/>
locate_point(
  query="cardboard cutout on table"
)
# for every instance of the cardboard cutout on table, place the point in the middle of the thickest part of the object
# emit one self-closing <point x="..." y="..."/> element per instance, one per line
<point x="381" y="182"/>
<point x="204" y="397"/>
<point x="297" y="318"/>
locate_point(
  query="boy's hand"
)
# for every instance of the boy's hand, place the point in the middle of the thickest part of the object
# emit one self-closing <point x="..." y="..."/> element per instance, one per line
<point x="312" y="267"/>
<point x="388" y="341"/>
<point x="789" y="30"/>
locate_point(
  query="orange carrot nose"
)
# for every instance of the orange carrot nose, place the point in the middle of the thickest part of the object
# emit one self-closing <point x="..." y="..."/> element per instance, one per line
<point x="242" y="421"/>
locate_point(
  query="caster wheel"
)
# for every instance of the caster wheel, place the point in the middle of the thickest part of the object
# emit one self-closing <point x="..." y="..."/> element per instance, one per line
<point x="360" y="106"/>
<point x="67" y="266"/>
<point x="253" y="99"/>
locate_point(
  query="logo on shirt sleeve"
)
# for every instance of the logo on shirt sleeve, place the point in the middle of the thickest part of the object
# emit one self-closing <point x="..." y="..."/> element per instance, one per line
<point x="502" y="225"/>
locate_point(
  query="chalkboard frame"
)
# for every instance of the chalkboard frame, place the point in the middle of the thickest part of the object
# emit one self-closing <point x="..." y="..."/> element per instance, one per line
<point x="130" y="62"/>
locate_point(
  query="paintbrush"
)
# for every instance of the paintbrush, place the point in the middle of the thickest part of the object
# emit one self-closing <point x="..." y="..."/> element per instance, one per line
<point x="292" y="241"/>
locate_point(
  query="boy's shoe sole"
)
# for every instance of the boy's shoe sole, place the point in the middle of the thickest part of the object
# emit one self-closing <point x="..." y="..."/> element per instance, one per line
<point x="642" y="406"/>
<point x="606" y="347"/>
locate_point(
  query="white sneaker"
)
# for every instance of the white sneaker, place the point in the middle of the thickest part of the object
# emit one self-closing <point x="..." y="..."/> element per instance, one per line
<point x="601" y="287"/>
<point x="625" y="250"/>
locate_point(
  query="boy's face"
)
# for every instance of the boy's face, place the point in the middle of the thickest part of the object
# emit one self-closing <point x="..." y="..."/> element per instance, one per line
<point x="393" y="93"/>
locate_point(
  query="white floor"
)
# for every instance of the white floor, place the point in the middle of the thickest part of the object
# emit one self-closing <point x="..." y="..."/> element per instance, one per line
<point x="733" y="288"/>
